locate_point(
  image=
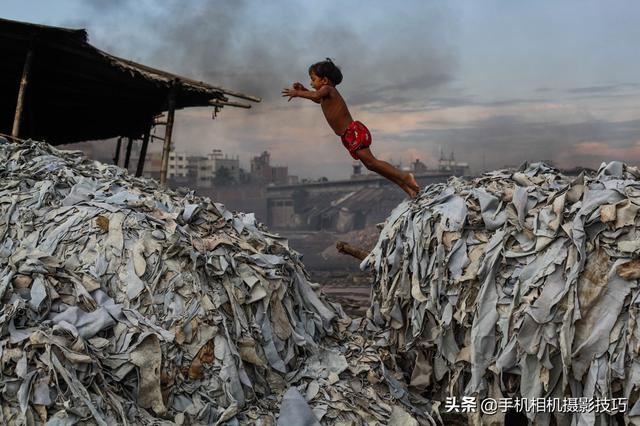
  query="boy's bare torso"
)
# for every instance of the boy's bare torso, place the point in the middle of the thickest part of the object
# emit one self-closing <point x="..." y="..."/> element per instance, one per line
<point x="335" y="111"/>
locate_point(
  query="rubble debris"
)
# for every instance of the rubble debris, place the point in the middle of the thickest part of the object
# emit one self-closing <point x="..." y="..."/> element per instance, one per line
<point x="127" y="303"/>
<point x="517" y="284"/>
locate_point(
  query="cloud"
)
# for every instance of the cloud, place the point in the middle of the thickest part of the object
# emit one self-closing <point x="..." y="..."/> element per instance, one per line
<point x="259" y="47"/>
<point x="592" y="153"/>
<point x="106" y="5"/>
<point x="602" y="89"/>
<point x="510" y="140"/>
<point x="402" y="78"/>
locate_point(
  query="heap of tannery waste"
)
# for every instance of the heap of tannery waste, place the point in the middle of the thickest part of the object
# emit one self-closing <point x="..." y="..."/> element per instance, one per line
<point x="127" y="303"/>
<point x="516" y="284"/>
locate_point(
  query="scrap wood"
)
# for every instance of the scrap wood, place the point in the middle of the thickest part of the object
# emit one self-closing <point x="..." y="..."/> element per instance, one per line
<point x="346" y="248"/>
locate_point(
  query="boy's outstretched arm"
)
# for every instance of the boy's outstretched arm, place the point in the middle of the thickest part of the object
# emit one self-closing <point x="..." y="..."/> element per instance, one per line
<point x="316" y="96"/>
<point x="299" y="86"/>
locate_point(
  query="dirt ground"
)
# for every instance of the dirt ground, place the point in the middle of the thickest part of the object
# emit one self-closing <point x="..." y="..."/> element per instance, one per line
<point x="351" y="289"/>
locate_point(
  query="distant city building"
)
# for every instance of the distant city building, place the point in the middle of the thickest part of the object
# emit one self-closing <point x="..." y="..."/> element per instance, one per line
<point x="198" y="171"/>
<point x="218" y="161"/>
<point x="178" y="165"/>
<point x="450" y="165"/>
<point x="419" y="167"/>
<point x="152" y="164"/>
<point x="261" y="167"/>
<point x="262" y="170"/>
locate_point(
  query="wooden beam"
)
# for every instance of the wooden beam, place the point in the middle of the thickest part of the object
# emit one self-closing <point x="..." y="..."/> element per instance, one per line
<point x="240" y="95"/>
<point x="218" y="103"/>
<point x="171" y="109"/>
<point x="128" y="154"/>
<point x="24" y="81"/>
<point x="346" y="248"/>
<point x="143" y="151"/>
<point x="116" y="159"/>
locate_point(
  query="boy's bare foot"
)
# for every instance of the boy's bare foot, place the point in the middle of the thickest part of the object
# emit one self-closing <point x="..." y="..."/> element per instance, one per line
<point x="409" y="191"/>
<point x="412" y="193"/>
<point x="410" y="185"/>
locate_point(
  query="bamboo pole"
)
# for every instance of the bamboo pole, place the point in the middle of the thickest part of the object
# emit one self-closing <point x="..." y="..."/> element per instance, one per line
<point x="116" y="159"/>
<point x="346" y="248"/>
<point x="219" y="103"/>
<point x="143" y="150"/>
<point x="24" y="81"/>
<point x="128" y="154"/>
<point x="171" y="109"/>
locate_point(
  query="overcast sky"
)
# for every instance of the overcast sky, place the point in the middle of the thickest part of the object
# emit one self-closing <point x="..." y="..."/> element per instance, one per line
<point x="497" y="82"/>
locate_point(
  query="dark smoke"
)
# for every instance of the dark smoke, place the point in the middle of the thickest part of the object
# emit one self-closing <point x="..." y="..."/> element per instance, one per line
<point x="259" y="47"/>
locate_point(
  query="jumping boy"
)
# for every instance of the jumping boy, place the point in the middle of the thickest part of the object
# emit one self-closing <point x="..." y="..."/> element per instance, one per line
<point x="325" y="76"/>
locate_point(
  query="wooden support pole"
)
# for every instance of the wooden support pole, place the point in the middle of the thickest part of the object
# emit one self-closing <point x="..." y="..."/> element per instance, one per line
<point x="128" y="154"/>
<point x="143" y="151"/>
<point x="116" y="158"/>
<point x="346" y="248"/>
<point x="171" y="109"/>
<point x="24" y="81"/>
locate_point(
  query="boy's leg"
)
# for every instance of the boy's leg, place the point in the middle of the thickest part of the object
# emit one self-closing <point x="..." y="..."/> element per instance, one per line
<point x="404" y="180"/>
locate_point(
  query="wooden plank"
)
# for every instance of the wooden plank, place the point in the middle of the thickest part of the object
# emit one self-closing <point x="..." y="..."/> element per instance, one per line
<point x="218" y="103"/>
<point x="116" y="158"/>
<point x="128" y="154"/>
<point x="346" y="248"/>
<point x="143" y="151"/>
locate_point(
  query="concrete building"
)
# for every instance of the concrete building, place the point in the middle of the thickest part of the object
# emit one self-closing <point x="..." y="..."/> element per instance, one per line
<point x="152" y="164"/>
<point x="260" y="167"/>
<point x="262" y="170"/>
<point x="197" y="171"/>
<point x="217" y="161"/>
<point x="178" y="165"/>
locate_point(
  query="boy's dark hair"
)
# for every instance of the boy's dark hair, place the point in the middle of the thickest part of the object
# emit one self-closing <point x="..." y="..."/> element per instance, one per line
<point x="327" y="69"/>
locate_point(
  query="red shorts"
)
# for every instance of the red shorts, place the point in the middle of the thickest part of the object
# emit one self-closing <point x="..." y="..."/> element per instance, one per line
<point x="356" y="137"/>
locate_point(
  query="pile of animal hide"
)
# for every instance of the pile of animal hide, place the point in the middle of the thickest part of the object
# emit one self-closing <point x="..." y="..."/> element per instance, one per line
<point x="516" y="284"/>
<point x="127" y="303"/>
